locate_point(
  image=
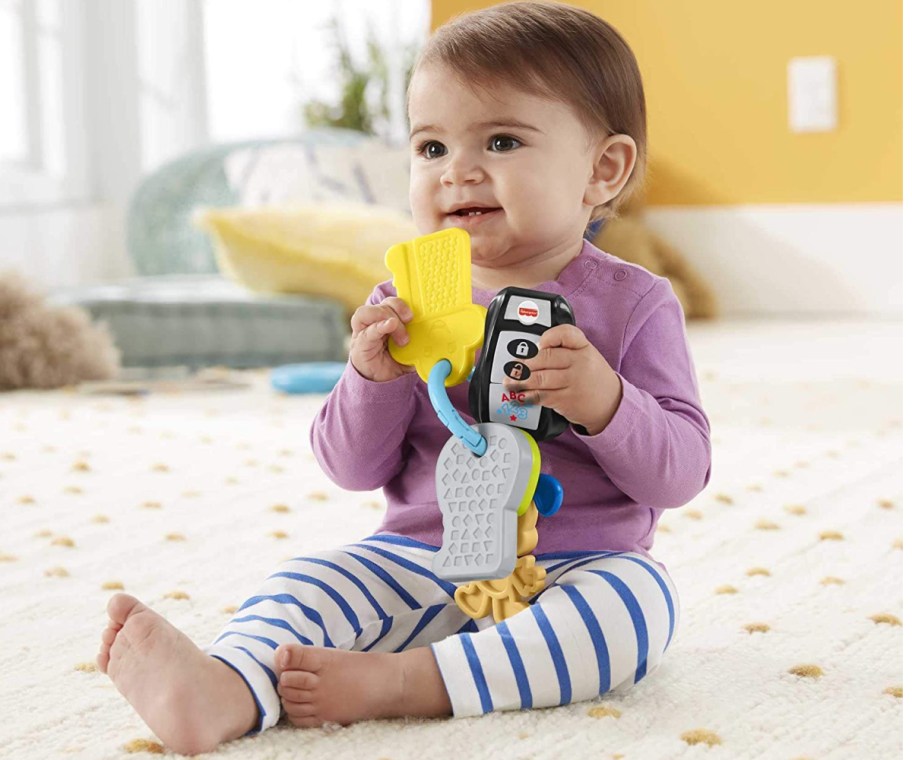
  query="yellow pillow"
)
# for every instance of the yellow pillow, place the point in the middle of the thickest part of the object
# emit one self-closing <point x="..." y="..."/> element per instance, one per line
<point x="331" y="250"/>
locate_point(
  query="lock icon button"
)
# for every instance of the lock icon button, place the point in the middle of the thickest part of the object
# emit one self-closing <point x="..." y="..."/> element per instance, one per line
<point x="517" y="370"/>
<point x="521" y="347"/>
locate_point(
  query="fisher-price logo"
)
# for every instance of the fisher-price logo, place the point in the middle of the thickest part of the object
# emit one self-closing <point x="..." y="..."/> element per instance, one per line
<point x="528" y="312"/>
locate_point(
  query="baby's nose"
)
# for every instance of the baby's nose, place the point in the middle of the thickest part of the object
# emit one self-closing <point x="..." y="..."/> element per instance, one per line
<point x="462" y="172"/>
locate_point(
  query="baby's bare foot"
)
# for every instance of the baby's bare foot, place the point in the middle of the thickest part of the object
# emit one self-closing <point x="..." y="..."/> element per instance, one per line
<point x="191" y="701"/>
<point x="319" y="685"/>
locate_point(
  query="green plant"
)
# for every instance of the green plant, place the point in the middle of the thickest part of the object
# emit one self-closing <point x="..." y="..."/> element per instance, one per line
<point x="363" y="103"/>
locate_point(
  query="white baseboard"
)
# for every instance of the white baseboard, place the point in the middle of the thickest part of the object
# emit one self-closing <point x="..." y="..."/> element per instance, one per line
<point x="839" y="259"/>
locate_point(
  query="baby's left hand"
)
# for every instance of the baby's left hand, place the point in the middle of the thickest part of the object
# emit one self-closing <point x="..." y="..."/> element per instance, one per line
<point x="570" y="376"/>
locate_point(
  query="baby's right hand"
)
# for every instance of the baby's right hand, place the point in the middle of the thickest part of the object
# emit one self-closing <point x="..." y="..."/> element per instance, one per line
<point x="371" y="327"/>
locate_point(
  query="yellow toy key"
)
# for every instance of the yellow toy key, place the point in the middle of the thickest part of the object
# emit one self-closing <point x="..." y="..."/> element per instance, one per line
<point x="433" y="275"/>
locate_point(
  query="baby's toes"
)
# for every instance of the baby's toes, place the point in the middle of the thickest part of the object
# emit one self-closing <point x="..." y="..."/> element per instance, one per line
<point x="108" y="635"/>
<point x="298" y="657"/>
<point x="104" y="653"/>
<point x="298" y="685"/>
<point x="299" y="679"/>
<point x="301" y="714"/>
<point x="298" y="696"/>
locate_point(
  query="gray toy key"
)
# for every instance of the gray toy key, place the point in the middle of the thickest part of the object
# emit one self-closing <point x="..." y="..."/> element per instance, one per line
<point x="479" y="497"/>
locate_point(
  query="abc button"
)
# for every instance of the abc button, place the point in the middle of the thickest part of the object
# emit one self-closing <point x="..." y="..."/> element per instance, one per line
<point x="525" y="349"/>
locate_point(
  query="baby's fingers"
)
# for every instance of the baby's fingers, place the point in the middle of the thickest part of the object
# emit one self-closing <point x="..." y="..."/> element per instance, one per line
<point x="567" y="336"/>
<point x="392" y="313"/>
<point x="372" y="337"/>
<point x="388" y="308"/>
<point x="544" y="387"/>
<point x="394" y="327"/>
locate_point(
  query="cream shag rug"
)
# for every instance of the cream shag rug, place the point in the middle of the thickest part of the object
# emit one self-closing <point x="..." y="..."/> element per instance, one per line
<point x="788" y="565"/>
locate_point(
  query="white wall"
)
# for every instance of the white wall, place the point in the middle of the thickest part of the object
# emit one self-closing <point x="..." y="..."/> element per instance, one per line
<point x="62" y="246"/>
<point x="841" y="259"/>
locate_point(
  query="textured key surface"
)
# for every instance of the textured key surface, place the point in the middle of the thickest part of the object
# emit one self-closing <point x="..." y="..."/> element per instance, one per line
<point x="437" y="265"/>
<point x="479" y="498"/>
<point x="433" y="274"/>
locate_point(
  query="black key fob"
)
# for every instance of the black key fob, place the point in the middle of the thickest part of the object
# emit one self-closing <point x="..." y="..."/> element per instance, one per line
<point x="513" y="328"/>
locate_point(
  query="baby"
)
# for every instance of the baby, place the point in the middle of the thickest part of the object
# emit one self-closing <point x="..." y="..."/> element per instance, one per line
<point x="527" y="122"/>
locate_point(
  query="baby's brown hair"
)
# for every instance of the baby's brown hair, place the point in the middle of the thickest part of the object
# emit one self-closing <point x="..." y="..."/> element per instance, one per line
<point x="554" y="51"/>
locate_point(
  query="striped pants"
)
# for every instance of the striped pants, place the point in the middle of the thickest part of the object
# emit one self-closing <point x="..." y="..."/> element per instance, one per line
<point x="601" y="623"/>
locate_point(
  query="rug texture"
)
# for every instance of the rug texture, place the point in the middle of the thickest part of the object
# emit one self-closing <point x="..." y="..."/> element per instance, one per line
<point x="788" y="565"/>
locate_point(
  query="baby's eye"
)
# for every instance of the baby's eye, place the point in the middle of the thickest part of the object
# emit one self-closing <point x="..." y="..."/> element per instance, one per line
<point x="504" y="143"/>
<point x="432" y="149"/>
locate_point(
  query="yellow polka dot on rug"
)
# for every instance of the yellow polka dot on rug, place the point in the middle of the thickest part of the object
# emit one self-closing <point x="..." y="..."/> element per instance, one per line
<point x="144" y="745"/>
<point x="603" y="711"/>
<point x="885" y="619"/>
<point x="806" y="671"/>
<point x="701" y="736"/>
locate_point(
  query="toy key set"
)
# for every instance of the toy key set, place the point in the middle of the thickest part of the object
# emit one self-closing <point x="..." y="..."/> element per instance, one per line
<point x="490" y="489"/>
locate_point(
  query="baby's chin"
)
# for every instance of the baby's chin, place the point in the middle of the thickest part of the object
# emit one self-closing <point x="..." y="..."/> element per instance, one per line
<point x="487" y="251"/>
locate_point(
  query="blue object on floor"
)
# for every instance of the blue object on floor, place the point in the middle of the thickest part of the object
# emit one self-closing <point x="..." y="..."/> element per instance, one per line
<point x="313" y="377"/>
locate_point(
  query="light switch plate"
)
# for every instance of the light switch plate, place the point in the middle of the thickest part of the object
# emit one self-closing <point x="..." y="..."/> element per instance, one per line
<point x="812" y="94"/>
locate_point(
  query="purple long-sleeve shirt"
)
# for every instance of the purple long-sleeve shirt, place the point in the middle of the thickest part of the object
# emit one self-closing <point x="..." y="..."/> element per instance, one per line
<point x="653" y="455"/>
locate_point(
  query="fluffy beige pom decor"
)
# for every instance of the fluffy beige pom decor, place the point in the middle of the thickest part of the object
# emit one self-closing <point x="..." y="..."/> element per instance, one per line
<point x="43" y="346"/>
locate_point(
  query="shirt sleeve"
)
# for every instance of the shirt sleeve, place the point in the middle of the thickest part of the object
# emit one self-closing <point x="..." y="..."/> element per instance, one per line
<point x="656" y="448"/>
<point x="358" y="436"/>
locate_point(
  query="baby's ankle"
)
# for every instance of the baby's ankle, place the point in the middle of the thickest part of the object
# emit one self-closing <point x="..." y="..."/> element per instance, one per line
<point x="421" y="689"/>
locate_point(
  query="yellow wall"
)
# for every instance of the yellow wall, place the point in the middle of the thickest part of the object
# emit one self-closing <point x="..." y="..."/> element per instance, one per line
<point x="714" y="72"/>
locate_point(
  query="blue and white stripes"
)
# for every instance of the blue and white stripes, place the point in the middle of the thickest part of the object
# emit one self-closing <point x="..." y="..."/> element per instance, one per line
<point x="601" y="623"/>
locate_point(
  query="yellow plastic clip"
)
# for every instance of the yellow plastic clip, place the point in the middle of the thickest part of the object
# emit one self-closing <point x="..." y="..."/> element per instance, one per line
<point x="505" y="597"/>
<point x="433" y="275"/>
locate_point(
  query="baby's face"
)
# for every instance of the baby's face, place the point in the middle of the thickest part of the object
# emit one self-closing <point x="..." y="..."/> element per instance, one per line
<point x="508" y="167"/>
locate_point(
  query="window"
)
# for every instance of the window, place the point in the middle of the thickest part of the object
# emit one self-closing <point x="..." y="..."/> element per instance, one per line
<point x="266" y="59"/>
<point x="42" y="149"/>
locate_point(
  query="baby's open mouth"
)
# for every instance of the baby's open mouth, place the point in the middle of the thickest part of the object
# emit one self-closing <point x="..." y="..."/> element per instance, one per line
<point x="474" y="211"/>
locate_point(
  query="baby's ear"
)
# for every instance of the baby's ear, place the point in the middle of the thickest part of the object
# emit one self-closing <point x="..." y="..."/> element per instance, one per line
<point x="615" y="158"/>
